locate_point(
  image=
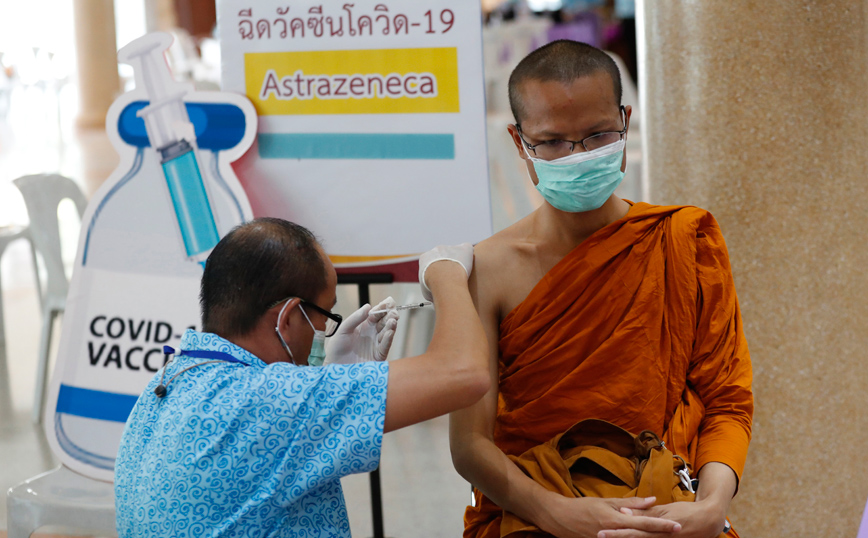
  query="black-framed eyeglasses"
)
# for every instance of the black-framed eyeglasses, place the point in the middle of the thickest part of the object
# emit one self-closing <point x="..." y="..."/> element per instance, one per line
<point x="333" y="321"/>
<point x="550" y="150"/>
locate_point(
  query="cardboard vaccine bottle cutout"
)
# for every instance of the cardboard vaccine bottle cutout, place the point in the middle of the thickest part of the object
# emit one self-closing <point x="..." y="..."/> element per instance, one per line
<point x="144" y="240"/>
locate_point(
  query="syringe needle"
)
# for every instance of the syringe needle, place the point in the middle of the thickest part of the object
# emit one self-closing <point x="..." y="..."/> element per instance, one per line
<point x="410" y="306"/>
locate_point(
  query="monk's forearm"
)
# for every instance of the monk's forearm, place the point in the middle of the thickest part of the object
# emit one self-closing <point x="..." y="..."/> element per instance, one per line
<point x="725" y="439"/>
<point x="485" y="466"/>
<point x="717" y="485"/>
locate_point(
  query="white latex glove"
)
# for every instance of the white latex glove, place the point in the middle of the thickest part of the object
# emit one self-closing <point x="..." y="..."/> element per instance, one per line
<point x="363" y="336"/>
<point x="461" y="254"/>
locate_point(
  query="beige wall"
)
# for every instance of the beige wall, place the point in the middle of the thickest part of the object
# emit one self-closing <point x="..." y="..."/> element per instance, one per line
<point x="758" y="111"/>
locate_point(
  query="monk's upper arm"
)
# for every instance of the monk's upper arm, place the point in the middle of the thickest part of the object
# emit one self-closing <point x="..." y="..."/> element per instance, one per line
<point x="720" y="369"/>
<point x="477" y="421"/>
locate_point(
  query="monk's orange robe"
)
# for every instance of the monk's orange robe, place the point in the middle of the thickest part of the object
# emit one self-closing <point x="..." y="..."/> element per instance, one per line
<point x="639" y="326"/>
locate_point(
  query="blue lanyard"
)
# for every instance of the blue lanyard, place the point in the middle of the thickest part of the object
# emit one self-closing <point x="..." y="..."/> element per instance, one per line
<point x="162" y="389"/>
<point x="212" y="355"/>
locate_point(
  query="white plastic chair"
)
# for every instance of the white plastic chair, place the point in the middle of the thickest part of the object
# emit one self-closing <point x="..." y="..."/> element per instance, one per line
<point x="60" y="497"/>
<point x="9" y="234"/>
<point x="42" y="193"/>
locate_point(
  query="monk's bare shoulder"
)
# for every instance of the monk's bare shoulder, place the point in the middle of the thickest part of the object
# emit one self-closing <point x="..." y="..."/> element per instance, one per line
<point x="507" y="248"/>
<point x="505" y="266"/>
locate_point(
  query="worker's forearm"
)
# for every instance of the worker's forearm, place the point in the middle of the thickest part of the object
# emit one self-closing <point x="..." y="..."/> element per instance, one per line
<point x="453" y="372"/>
<point x="458" y="341"/>
<point x="487" y="468"/>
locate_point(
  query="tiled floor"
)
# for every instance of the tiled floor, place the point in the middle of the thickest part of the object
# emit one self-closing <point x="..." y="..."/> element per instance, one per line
<point x="422" y="494"/>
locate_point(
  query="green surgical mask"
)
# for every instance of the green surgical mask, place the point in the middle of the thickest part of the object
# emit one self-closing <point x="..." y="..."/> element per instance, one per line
<point x="317" y="348"/>
<point x="581" y="181"/>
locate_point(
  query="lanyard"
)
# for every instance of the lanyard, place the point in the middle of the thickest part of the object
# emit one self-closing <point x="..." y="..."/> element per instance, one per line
<point x="212" y="356"/>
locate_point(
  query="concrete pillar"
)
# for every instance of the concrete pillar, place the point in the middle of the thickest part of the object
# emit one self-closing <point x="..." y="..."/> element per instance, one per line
<point x="96" y="55"/>
<point x="758" y="112"/>
<point x="163" y="15"/>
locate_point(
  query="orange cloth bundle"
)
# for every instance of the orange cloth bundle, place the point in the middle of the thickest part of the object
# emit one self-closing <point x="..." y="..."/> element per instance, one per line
<point x="597" y="459"/>
<point x="639" y="326"/>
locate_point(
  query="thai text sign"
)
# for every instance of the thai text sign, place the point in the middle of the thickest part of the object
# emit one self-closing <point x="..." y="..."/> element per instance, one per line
<point x="372" y="122"/>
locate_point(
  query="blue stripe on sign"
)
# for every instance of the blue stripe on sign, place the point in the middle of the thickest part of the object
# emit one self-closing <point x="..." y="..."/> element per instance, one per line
<point x="356" y="146"/>
<point x="95" y="403"/>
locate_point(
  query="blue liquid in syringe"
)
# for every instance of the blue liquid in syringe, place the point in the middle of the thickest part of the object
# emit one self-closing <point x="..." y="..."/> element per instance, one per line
<point x="195" y="218"/>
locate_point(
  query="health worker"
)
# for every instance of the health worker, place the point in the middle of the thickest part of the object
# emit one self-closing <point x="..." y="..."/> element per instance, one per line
<point x="240" y="436"/>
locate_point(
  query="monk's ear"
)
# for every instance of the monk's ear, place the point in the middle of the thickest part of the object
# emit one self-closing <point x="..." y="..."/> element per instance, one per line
<point x="628" y="111"/>
<point x="516" y="140"/>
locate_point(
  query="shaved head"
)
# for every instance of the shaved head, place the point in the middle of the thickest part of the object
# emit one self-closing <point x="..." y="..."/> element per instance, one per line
<point x="561" y="61"/>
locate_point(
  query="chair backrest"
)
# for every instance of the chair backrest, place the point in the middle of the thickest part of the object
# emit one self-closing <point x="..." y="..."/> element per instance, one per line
<point x="42" y="194"/>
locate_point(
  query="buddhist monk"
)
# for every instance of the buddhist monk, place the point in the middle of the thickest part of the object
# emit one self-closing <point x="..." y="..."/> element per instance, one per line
<point x="600" y="308"/>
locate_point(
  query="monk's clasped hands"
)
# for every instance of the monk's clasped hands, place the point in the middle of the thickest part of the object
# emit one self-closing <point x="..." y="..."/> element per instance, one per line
<point x="594" y="517"/>
<point x="699" y="519"/>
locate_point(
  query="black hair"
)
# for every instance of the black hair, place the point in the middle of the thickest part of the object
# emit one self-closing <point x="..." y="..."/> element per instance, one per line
<point x="255" y="265"/>
<point x="561" y="61"/>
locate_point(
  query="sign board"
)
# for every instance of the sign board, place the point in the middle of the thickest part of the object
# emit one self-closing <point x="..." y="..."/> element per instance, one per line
<point x="371" y="123"/>
<point x="145" y="235"/>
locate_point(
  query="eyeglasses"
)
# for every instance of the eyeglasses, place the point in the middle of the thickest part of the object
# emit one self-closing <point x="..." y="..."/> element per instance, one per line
<point x="555" y="149"/>
<point x="333" y="321"/>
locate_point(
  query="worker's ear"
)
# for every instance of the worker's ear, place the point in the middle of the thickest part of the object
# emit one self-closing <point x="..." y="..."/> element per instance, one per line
<point x="289" y="313"/>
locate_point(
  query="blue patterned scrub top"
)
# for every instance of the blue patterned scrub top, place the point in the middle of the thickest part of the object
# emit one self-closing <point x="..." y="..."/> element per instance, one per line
<point x="247" y="450"/>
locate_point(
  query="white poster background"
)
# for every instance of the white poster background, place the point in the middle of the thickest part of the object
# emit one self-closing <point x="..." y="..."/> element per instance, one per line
<point x="367" y="211"/>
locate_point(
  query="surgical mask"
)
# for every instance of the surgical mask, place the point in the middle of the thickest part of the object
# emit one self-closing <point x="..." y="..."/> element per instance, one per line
<point x="580" y="181"/>
<point x="317" y="349"/>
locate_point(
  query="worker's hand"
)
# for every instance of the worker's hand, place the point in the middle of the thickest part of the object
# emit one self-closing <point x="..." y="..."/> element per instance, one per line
<point x="461" y="254"/>
<point x="364" y="336"/>
<point x="591" y="517"/>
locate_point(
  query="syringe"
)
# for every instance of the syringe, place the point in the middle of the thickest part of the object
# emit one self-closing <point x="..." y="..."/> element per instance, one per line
<point x="172" y="135"/>
<point x="410" y="306"/>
